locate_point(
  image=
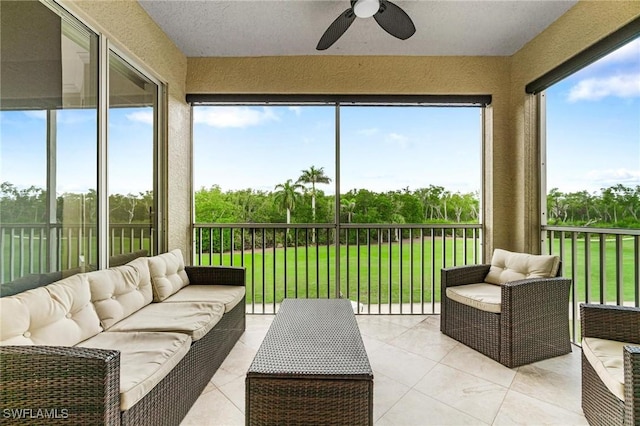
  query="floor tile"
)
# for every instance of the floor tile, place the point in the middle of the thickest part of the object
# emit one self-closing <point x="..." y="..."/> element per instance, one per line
<point x="386" y="393"/>
<point x="235" y="392"/>
<point x="425" y="342"/>
<point x="405" y="320"/>
<point x="213" y="408"/>
<point x="470" y="394"/>
<point x="415" y="408"/>
<point x="549" y="386"/>
<point x="466" y="359"/>
<point x="520" y="409"/>
<point x="403" y="366"/>
<point x="253" y="338"/>
<point x="421" y="377"/>
<point x="239" y="359"/>
<point x="379" y="327"/>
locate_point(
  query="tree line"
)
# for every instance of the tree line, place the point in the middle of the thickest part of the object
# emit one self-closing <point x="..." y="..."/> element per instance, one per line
<point x="303" y="201"/>
<point x="29" y="206"/>
<point x="617" y="206"/>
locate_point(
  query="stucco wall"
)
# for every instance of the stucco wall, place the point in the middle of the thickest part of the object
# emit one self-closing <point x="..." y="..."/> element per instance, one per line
<point x="131" y="30"/>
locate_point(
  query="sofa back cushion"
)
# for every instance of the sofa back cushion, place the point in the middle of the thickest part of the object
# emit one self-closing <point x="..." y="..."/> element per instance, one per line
<point x="167" y="274"/>
<point x="508" y="266"/>
<point x="118" y="292"/>
<point x="124" y="258"/>
<point x="28" y="282"/>
<point x="59" y="314"/>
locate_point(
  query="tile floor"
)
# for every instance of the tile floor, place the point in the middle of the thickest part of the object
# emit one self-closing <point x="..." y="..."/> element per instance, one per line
<point x="421" y="377"/>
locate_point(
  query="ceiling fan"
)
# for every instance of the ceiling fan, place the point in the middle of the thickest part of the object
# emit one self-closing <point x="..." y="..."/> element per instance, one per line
<point x="390" y="17"/>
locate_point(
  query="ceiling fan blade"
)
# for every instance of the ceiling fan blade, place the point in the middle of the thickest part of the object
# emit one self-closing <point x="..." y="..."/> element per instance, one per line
<point x="394" y="20"/>
<point x="336" y="29"/>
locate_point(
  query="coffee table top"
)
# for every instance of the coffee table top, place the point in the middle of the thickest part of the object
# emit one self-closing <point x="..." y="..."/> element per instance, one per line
<point x="313" y="337"/>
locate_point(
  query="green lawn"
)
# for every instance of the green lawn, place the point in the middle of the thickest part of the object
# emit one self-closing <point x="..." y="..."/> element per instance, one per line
<point x="311" y="273"/>
<point x="380" y="274"/>
<point x="383" y="275"/>
<point x="589" y="287"/>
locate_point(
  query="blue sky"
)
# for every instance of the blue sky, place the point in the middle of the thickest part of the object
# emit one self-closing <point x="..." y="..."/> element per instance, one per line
<point x="23" y="151"/>
<point x="593" y="124"/>
<point x="593" y="141"/>
<point x="382" y="148"/>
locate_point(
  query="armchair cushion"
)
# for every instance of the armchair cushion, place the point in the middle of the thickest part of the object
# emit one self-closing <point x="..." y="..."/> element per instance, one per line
<point x="610" y="364"/>
<point x="605" y="356"/>
<point x="483" y="296"/>
<point x="508" y="266"/>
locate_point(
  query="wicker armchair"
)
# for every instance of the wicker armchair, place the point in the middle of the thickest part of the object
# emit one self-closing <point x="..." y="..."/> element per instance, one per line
<point x="532" y="323"/>
<point x="619" y="324"/>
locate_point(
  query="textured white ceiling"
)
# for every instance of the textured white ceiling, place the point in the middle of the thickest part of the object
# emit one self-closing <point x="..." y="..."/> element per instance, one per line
<point x="293" y="27"/>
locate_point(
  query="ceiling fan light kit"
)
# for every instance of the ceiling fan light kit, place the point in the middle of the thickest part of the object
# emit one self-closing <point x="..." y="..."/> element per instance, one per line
<point x="366" y="8"/>
<point x="390" y="17"/>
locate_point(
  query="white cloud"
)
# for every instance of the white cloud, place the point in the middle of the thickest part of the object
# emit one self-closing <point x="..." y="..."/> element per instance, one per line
<point x="630" y="52"/>
<point x="233" y="116"/>
<point x="72" y="117"/>
<point x="593" y="89"/>
<point x="398" y="139"/>
<point x="610" y="177"/>
<point x="145" y="117"/>
<point x="296" y="109"/>
<point x="40" y="115"/>
<point x="368" y="132"/>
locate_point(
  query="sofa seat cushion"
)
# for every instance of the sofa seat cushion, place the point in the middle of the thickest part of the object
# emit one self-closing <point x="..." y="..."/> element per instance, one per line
<point x="229" y="295"/>
<point x="59" y="314"/>
<point x="145" y="359"/>
<point x="606" y="358"/>
<point x="118" y="292"/>
<point x="483" y="296"/>
<point x="507" y="266"/>
<point x="192" y="318"/>
<point x="167" y="274"/>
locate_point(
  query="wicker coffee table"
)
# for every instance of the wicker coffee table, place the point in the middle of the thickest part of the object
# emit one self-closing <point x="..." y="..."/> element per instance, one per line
<point x="311" y="368"/>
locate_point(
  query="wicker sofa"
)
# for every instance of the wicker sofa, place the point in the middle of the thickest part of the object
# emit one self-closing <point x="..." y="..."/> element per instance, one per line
<point x="134" y="344"/>
<point x="514" y="310"/>
<point x="610" y="364"/>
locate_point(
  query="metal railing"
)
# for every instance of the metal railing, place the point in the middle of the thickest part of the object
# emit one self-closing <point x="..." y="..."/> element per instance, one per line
<point x="42" y="248"/>
<point x="382" y="268"/>
<point x="603" y="264"/>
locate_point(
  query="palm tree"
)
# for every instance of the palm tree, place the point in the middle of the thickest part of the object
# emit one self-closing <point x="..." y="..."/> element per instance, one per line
<point x="349" y="205"/>
<point x="286" y="196"/>
<point x="313" y="176"/>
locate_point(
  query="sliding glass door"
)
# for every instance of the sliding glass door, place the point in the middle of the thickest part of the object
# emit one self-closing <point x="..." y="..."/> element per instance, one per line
<point x="60" y="212"/>
<point x="133" y="106"/>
